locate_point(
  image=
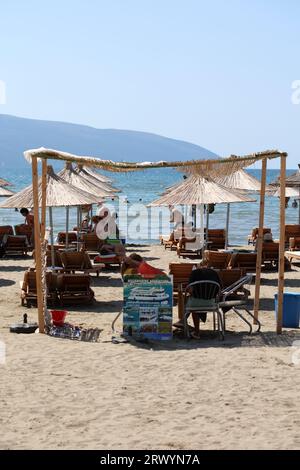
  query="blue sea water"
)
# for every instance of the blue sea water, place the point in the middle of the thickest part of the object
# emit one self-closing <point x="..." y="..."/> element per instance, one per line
<point x="144" y="187"/>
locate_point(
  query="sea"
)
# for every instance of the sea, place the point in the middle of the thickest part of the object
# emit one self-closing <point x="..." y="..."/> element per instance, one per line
<point x="138" y="189"/>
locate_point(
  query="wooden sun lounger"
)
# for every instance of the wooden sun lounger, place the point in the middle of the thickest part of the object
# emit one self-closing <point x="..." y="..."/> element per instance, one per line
<point x="75" y="288"/>
<point x="62" y="236"/>
<point x="5" y="230"/>
<point x="270" y="255"/>
<point x="245" y="261"/>
<point x="216" y="259"/>
<point x="16" y="245"/>
<point x="292" y="255"/>
<point x="73" y="261"/>
<point x="294" y="244"/>
<point x="291" y="231"/>
<point x="29" y="291"/>
<point x="26" y="231"/>
<point x="216" y="238"/>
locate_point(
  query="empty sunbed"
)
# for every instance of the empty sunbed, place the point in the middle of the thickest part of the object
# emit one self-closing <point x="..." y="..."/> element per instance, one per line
<point x="29" y="291"/>
<point x="79" y="261"/>
<point x="216" y="259"/>
<point x="74" y="289"/>
<point x="245" y="261"/>
<point x="5" y="230"/>
<point x="16" y="245"/>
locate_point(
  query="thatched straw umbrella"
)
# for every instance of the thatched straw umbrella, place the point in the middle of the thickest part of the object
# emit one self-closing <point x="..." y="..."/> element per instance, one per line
<point x="59" y="194"/>
<point x="5" y="192"/>
<point x="79" y="180"/>
<point x="91" y="176"/>
<point x="240" y="180"/>
<point x="199" y="191"/>
<point x="95" y="174"/>
<point x="4" y="182"/>
<point x="292" y="187"/>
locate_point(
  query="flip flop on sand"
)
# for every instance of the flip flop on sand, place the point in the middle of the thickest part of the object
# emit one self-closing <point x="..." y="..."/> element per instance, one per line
<point x="118" y="340"/>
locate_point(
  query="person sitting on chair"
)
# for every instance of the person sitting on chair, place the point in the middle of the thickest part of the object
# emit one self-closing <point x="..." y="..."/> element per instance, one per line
<point x="201" y="274"/>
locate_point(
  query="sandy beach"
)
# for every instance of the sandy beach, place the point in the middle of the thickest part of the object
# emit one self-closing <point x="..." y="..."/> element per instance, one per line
<point x="62" y="394"/>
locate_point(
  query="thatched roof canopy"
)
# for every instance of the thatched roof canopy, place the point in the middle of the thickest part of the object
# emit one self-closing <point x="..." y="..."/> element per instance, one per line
<point x="198" y="190"/>
<point x="290" y="181"/>
<point x="59" y="193"/>
<point x="95" y="174"/>
<point x="72" y="177"/>
<point x="293" y="192"/>
<point x="5" y="192"/>
<point x="229" y="165"/>
<point x="83" y="173"/>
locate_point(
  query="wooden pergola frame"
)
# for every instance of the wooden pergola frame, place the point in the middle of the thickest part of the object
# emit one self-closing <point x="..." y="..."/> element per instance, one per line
<point x="39" y="226"/>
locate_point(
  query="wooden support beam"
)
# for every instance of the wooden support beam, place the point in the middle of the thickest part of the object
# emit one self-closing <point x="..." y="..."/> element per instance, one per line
<point x="44" y="197"/>
<point x="227" y="226"/>
<point x="259" y="241"/>
<point x="37" y="245"/>
<point x="281" y="244"/>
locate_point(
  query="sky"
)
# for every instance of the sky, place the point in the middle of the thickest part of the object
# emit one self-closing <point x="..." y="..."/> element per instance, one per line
<point x="216" y="73"/>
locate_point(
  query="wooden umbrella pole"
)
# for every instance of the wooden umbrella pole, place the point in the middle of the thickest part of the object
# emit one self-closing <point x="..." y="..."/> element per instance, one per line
<point x="299" y="207"/>
<point x="259" y="241"/>
<point x="44" y="198"/>
<point x="227" y="225"/>
<point x="67" y="226"/>
<point x="281" y="244"/>
<point x="51" y="237"/>
<point x="37" y="247"/>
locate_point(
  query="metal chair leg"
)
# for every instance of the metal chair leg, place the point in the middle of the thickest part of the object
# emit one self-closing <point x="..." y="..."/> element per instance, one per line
<point x="185" y="324"/>
<point x="256" y="319"/>
<point x="114" y="321"/>
<point x="220" y="323"/>
<point x="243" y="318"/>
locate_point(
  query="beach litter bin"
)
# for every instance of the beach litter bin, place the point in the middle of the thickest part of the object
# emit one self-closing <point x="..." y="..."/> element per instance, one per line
<point x="58" y="317"/>
<point x="290" y="309"/>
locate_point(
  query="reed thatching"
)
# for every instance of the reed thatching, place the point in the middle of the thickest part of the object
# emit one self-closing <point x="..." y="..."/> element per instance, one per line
<point x="59" y="193"/>
<point x="4" y="182"/>
<point x="95" y="174"/>
<point x="229" y="165"/>
<point x="83" y="173"/>
<point x="291" y="181"/>
<point x="293" y="192"/>
<point x="242" y="181"/>
<point x="198" y="190"/>
<point x="71" y="176"/>
<point x="5" y="192"/>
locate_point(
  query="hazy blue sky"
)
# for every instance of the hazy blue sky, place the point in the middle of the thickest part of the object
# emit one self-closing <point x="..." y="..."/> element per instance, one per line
<point x="216" y="73"/>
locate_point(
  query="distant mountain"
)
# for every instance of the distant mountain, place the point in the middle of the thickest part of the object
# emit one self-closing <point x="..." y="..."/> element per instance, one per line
<point x="19" y="134"/>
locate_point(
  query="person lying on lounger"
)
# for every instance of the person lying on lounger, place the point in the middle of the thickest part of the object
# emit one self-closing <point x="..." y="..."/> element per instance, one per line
<point x="135" y="264"/>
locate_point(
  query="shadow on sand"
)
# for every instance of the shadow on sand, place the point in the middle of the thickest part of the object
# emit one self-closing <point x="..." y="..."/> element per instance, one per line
<point x="6" y="282"/>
